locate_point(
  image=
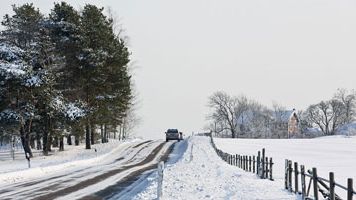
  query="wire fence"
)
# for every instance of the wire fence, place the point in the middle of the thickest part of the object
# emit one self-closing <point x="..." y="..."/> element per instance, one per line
<point x="17" y="154"/>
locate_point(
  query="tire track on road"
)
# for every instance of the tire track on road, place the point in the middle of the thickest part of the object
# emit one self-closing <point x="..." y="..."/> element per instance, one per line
<point x="53" y="183"/>
<point x="99" y="178"/>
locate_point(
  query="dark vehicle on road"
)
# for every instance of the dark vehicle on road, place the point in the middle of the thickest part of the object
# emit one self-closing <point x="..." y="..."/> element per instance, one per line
<point x="173" y="134"/>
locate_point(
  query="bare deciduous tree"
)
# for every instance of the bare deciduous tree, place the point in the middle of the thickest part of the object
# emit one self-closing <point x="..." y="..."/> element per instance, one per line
<point x="349" y="103"/>
<point x="224" y="107"/>
<point x="327" y="115"/>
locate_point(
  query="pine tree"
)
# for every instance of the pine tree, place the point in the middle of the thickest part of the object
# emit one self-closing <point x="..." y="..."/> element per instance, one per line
<point x="63" y="73"/>
<point x="96" y="34"/>
<point x="21" y="31"/>
<point x="65" y="34"/>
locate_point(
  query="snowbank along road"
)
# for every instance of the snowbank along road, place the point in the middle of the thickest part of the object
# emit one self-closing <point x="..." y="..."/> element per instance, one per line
<point x="95" y="181"/>
<point x="201" y="175"/>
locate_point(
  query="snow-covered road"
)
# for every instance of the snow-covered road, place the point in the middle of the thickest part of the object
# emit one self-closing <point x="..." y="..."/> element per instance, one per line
<point x="201" y="174"/>
<point x="80" y="179"/>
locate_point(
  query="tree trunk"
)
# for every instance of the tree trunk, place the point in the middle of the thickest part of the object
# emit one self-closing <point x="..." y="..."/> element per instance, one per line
<point x="61" y="144"/>
<point x="92" y="130"/>
<point x="87" y="136"/>
<point x="69" y="139"/>
<point x="45" y="141"/>
<point x="76" y="140"/>
<point x="32" y="142"/>
<point x="55" y="142"/>
<point x="105" y="134"/>
<point x="49" y="142"/>
<point x="102" y="133"/>
<point x="25" y="143"/>
<point x="38" y="144"/>
<point x="123" y="132"/>
<point x="120" y="132"/>
<point x="38" y="141"/>
<point x="233" y="133"/>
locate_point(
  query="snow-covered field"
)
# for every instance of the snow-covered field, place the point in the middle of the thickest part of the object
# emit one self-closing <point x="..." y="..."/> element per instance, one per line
<point x="201" y="174"/>
<point x="328" y="154"/>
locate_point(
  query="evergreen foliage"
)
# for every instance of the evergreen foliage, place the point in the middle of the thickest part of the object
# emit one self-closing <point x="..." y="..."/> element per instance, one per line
<point x="61" y="75"/>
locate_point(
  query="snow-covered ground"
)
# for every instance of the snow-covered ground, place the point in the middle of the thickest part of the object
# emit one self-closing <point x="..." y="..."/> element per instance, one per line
<point x="79" y="174"/>
<point x="73" y="157"/>
<point x="328" y="154"/>
<point x="193" y="171"/>
<point x="201" y="174"/>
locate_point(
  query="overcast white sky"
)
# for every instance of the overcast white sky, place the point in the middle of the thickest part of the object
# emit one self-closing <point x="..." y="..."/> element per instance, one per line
<point x="294" y="52"/>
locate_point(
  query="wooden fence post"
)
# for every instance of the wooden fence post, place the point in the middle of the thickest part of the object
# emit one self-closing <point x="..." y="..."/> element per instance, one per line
<point x="290" y="171"/>
<point x="350" y="189"/>
<point x="258" y="162"/>
<point x="254" y="164"/>
<point x="315" y="184"/>
<point x="239" y="161"/>
<point x="249" y="163"/>
<point x="236" y="160"/>
<point x="332" y="186"/>
<point x="266" y="170"/>
<point x="246" y="163"/>
<point x="286" y="174"/>
<point x="296" y="177"/>
<point x="243" y="162"/>
<point x="160" y="179"/>
<point x="270" y="169"/>
<point x="263" y="163"/>
<point x="302" y="177"/>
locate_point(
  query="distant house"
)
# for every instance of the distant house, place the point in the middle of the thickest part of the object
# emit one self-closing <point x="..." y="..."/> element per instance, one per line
<point x="276" y="124"/>
<point x="286" y="123"/>
<point x="293" y="124"/>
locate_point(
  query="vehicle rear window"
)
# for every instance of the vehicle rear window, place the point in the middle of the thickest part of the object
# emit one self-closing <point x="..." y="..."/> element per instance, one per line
<point x="172" y="131"/>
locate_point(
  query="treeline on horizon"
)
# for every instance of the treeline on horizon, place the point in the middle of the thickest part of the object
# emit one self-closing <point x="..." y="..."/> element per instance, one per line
<point x="61" y="75"/>
<point x="239" y="116"/>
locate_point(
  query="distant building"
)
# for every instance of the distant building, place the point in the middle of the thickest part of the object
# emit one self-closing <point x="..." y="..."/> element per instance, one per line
<point x="293" y="124"/>
<point x="286" y="122"/>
